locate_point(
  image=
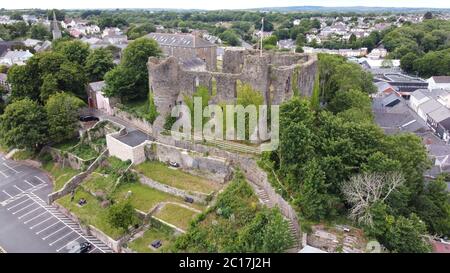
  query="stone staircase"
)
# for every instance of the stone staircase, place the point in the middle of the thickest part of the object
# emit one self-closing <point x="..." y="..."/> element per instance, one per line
<point x="265" y="200"/>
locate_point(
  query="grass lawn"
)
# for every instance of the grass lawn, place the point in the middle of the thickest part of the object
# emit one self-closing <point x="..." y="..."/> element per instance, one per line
<point x="176" y="178"/>
<point x="145" y="198"/>
<point x="138" y="108"/>
<point x="66" y="145"/>
<point x="60" y="175"/>
<point x="23" y="155"/>
<point x="91" y="213"/>
<point x="84" y="151"/>
<point x="176" y="215"/>
<point x="163" y="233"/>
<point x="99" y="182"/>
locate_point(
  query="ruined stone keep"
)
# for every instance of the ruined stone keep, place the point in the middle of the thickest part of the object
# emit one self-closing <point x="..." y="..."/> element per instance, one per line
<point x="276" y="75"/>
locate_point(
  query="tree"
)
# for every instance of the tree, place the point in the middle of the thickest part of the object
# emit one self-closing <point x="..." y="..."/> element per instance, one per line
<point x="130" y="79"/>
<point x="270" y="42"/>
<point x="350" y="99"/>
<point x="407" y="62"/>
<point x="434" y="208"/>
<point x="314" y="201"/>
<point x="405" y="235"/>
<point x="40" y="32"/>
<point x="98" y="63"/>
<point x="49" y="87"/>
<point x="24" y="82"/>
<point x="74" y="51"/>
<point x="23" y="125"/>
<point x="135" y="32"/>
<point x="428" y="15"/>
<point x="230" y="37"/>
<point x="365" y="190"/>
<point x="121" y="215"/>
<point x="60" y="14"/>
<point x="268" y="26"/>
<point x="62" y="114"/>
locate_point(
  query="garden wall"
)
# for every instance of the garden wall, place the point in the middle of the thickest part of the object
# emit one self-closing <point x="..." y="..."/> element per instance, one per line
<point x="67" y="158"/>
<point x="137" y="122"/>
<point x="75" y="181"/>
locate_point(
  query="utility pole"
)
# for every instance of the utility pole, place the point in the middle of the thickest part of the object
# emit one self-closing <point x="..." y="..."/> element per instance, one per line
<point x="262" y="35"/>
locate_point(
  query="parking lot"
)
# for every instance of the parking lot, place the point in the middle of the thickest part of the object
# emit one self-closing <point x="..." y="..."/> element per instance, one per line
<point x="28" y="224"/>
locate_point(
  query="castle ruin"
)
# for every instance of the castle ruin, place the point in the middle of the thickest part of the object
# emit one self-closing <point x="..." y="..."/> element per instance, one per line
<point x="276" y="75"/>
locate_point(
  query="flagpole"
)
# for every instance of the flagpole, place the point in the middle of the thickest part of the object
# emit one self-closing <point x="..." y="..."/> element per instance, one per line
<point x="262" y="35"/>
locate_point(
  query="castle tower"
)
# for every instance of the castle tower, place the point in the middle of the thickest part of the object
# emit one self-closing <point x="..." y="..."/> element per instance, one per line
<point x="55" y="28"/>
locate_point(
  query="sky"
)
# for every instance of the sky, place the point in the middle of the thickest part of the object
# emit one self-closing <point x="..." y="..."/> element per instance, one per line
<point x="213" y="4"/>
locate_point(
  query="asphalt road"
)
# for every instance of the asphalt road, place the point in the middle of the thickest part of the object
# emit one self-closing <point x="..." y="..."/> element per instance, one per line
<point x="27" y="223"/>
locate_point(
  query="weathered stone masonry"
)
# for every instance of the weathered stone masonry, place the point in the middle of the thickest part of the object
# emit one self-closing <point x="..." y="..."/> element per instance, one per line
<point x="272" y="74"/>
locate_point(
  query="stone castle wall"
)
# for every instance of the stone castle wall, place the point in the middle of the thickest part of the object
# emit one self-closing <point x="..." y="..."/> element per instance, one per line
<point x="277" y="76"/>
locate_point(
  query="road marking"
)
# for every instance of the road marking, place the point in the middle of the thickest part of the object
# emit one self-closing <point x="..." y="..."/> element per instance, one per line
<point x="10" y="208"/>
<point x="35" y="217"/>
<point x="26" y="181"/>
<point x="48" y="236"/>
<point x="57" y="222"/>
<point x="41" y="180"/>
<point x="61" y="248"/>
<point x="15" y="186"/>
<point x="11" y="168"/>
<point x="4" y="174"/>
<point x="10" y="196"/>
<point x="20" y="217"/>
<point x="61" y="238"/>
<point x="23" y="208"/>
<point x="41" y="222"/>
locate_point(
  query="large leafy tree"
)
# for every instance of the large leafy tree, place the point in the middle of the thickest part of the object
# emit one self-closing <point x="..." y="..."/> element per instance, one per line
<point x="62" y="109"/>
<point x="121" y="215"/>
<point x="75" y="51"/>
<point x="39" y="32"/>
<point x="98" y="63"/>
<point x="129" y="80"/>
<point x="24" y="125"/>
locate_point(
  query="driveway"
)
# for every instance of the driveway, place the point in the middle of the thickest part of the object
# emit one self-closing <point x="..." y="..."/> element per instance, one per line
<point x="27" y="223"/>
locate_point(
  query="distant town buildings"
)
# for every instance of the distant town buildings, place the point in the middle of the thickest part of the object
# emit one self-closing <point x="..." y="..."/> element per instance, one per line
<point x="13" y="57"/>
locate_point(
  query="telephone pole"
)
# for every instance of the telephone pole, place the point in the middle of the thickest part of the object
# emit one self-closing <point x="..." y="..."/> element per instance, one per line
<point x="262" y="35"/>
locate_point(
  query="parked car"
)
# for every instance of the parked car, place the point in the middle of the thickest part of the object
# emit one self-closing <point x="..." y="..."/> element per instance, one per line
<point x="156" y="243"/>
<point x="81" y="248"/>
<point x="88" y="118"/>
<point x="174" y="164"/>
<point x="188" y="199"/>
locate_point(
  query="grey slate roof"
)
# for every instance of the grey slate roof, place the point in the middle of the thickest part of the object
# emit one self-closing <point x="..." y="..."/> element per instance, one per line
<point x="419" y="94"/>
<point x="441" y="79"/>
<point x="181" y="40"/>
<point x="133" y="138"/>
<point x="97" y="86"/>
<point x="440" y="114"/>
<point x="429" y="106"/>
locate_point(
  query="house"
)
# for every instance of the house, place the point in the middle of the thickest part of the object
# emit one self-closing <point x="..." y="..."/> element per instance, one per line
<point x="439" y="122"/>
<point x="13" y="57"/>
<point x="391" y="100"/>
<point x="384" y="87"/>
<point x="31" y="42"/>
<point x="440" y="246"/>
<point x="110" y="31"/>
<point x="45" y="46"/>
<point x="286" y="44"/>
<point x="427" y="107"/>
<point x="403" y="84"/>
<point x="4" y="82"/>
<point x="97" y="100"/>
<point x="439" y="82"/>
<point x="187" y="46"/>
<point x="377" y="53"/>
<point x="417" y="98"/>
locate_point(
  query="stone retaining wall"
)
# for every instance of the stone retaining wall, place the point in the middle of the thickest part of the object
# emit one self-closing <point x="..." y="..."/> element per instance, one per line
<point x="75" y="181"/>
<point x="198" y="197"/>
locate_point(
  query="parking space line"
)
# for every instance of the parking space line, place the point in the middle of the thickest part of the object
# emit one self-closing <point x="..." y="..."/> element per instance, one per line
<point x="26" y="181"/>
<point x="41" y="180"/>
<point x="64" y="246"/>
<point x="47" y="228"/>
<point x="61" y="238"/>
<point x="32" y="203"/>
<point x="4" y="174"/>
<point x="15" y="186"/>
<point x="35" y="217"/>
<point x="11" y="168"/>
<point x="10" y="196"/>
<point x="41" y="222"/>
<point x="10" y="208"/>
<point x="20" y="217"/>
<point x="50" y="235"/>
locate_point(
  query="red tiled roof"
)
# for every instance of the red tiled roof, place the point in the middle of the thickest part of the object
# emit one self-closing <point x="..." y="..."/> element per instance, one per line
<point x="439" y="247"/>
